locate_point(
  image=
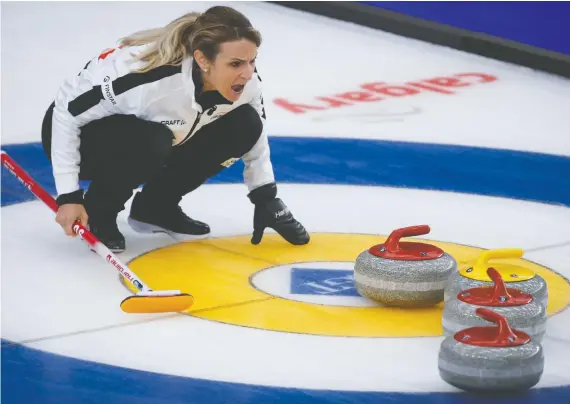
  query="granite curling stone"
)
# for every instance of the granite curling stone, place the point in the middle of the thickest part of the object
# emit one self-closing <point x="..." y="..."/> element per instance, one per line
<point x="515" y="276"/>
<point x="519" y="309"/>
<point x="404" y="274"/>
<point x="491" y="359"/>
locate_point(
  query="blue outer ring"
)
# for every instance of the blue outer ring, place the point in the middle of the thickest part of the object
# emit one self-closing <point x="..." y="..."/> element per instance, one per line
<point x="503" y="173"/>
<point x="30" y="376"/>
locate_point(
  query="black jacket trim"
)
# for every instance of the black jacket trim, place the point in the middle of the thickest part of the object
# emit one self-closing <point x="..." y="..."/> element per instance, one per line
<point x="91" y="98"/>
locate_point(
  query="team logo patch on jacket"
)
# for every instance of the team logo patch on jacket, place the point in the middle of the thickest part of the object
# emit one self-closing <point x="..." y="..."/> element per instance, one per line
<point x="174" y="122"/>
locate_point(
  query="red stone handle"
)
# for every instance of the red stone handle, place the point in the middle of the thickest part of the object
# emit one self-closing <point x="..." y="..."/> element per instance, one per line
<point x="505" y="332"/>
<point x="501" y="336"/>
<point x="392" y="243"/>
<point x="499" y="288"/>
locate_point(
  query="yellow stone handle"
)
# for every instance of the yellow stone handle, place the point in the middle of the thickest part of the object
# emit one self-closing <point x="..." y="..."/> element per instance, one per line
<point x="482" y="262"/>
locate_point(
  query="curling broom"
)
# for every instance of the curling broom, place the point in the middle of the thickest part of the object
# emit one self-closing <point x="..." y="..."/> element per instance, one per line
<point x="145" y="300"/>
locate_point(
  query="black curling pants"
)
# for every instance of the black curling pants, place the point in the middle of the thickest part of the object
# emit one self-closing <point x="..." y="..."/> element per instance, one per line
<point x="121" y="152"/>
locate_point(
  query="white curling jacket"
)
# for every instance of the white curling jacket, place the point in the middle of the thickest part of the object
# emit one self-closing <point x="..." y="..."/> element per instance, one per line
<point x="109" y="85"/>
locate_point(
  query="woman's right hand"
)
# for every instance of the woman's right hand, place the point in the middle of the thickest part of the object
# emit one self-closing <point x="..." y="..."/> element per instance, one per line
<point x="68" y="214"/>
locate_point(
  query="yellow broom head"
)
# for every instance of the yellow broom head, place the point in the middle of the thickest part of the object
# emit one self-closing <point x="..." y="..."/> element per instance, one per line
<point x="159" y="302"/>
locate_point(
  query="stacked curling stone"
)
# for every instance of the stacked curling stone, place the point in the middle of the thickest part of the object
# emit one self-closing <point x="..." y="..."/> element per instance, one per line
<point x="491" y="359"/>
<point x="517" y="277"/>
<point x="404" y="274"/>
<point x="519" y="309"/>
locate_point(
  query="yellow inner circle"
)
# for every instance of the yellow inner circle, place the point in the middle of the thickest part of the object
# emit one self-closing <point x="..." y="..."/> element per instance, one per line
<point x="217" y="273"/>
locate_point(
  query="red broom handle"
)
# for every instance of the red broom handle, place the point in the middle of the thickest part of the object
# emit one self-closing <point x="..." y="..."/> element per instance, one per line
<point x="42" y="194"/>
<point x="78" y="228"/>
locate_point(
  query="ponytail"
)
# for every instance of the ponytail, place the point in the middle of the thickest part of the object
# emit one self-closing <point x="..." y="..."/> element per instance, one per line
<point x="171" y="44"/>
<point x="168" y="45"/>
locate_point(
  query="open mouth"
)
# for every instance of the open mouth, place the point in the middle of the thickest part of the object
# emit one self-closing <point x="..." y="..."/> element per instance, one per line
<point x="238" y="88"/>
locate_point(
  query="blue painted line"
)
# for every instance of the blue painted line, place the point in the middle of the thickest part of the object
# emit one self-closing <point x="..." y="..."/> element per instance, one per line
<point x="502" y="173"/>
<point x="32" y="376"/>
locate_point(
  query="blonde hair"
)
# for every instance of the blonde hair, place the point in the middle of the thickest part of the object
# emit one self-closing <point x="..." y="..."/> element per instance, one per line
<point x="171" y="44"/>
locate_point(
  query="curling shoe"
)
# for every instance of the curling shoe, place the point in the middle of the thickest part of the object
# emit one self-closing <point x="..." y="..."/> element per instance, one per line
<point x="145" y="218"/>
<point x="106" y="230"/>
